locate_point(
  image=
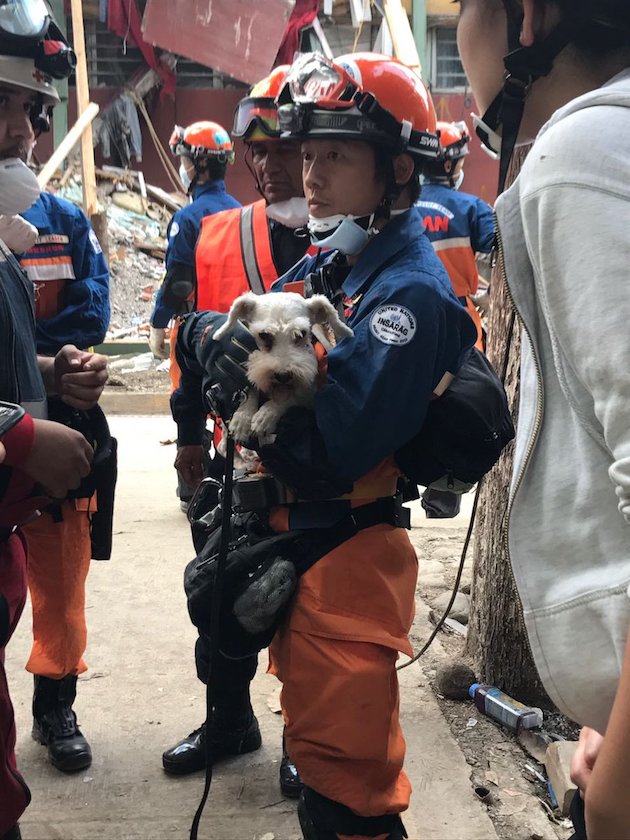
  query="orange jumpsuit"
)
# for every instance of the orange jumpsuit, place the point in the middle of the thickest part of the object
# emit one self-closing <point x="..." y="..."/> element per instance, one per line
<point x="349" y="619"/>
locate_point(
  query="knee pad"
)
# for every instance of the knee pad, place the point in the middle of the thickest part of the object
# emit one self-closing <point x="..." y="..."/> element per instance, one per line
<point x="324" y="819"/>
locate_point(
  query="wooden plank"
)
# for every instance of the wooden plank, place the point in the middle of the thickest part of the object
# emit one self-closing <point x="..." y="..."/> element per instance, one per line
<point x="237" y="37"/>
<point x="67" y="144"/>
<point x="83" y="101"/>
<point x="404" y="43"/>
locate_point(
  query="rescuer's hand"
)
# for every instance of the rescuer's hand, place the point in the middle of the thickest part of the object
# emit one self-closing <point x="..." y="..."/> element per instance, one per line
<point x="60" y="457"/>
<point x="157" y="338"/>
<point x="227" y="371"/>
<point x="80" y="376"/>
<point x="189" y="464"/>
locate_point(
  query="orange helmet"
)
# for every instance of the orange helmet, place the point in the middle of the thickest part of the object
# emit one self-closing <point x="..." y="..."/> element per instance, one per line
<point x="362" y="96"/>
<point x="202" y="140"/>
<point x="454" y="140"/>
<point x="256" y="116"/>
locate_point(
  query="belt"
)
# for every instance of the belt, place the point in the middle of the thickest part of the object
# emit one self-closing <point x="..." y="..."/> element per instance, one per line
<point x="5" y="533"/>
<point x="261" y="492"/>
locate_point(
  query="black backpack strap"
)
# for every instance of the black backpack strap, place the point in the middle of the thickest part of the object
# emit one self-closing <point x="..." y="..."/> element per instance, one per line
<point x="248" y="249"/>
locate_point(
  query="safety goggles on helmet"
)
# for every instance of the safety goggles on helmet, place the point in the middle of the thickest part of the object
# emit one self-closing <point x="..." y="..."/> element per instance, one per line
<point x="256" y="112"/>
<point x="27" y="31"/>
<point x="321" y="99"/>
<point x="315" y="79"/>
<point x="453" y="149"/>
<point x="181" y="146"/>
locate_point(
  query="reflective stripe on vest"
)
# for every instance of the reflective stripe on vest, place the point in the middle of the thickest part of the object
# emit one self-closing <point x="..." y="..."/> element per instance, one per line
<point x="220" y="261"/>
<point x="246" y="221"/>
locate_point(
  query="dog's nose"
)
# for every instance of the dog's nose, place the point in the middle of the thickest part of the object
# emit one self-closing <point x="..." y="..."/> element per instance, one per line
<point x="283" y="377"/>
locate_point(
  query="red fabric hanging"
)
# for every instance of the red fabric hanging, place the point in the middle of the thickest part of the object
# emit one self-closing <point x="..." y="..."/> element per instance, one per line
<point x="304" y="13"/>
<point x="123" y="19"/>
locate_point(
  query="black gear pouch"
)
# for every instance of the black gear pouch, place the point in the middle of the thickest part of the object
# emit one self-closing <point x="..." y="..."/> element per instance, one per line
<point x="104" y="473"/>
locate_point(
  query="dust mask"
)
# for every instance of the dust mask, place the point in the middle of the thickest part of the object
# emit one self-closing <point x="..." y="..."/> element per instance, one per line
<point x="347" y="234"/>
<point x="292" y="213"/>
<point x="184" y="177"/>
<point x="19" y="189"/>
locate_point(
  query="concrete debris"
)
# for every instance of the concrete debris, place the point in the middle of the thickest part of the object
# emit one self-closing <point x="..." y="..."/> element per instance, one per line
<point x="558" y="766"/>
<point x="136" y="226"/>
<point x="453" y="679"/>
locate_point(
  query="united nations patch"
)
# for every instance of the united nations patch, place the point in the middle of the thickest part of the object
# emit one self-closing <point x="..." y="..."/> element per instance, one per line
<point x="393" y="324"/>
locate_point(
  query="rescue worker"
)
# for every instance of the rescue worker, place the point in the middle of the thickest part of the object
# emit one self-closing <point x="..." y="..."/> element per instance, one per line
<point x="71" y="283"/>
<point x="239" y="250"/>
<point x="245" y="249"/>
<point x="367" y="127"/>
<point x="460" y="226"/>
<point x="36" y="452"/>
<point x="204" y="150"/>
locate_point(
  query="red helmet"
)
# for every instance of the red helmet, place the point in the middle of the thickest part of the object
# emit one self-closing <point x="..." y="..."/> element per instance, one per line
<point x="256" y="116"/>
<point x="362" y="96"/>
<point x="202" y="140"/>
<point x="454" y="140"/>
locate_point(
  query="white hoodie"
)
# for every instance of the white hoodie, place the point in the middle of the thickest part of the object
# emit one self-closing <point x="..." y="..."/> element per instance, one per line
<point x="566" y="233"/>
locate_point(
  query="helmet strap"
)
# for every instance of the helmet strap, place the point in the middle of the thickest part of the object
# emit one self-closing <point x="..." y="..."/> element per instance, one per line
<point x="248" y="164"/>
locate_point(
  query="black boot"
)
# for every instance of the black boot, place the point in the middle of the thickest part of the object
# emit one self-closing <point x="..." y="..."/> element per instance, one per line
<point x="290" y="783"/>
<point x="55" y="724"/>
<point x="235" y="737"/>
<point x="323" y="819"/>
<point x="13" y="834"/>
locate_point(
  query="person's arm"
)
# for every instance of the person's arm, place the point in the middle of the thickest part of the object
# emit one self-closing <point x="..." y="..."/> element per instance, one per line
<point x="187" y="401"/>
<point x="606" y="799"/>
<point x="85" y="317"/>
<point x="52" y="455"/>
<point x="593" y="343"/>
<point x="482" y="227"/>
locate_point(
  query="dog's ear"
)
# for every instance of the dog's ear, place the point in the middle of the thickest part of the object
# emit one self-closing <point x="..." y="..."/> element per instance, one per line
<point x="242" y="309"/>
<point x="321" y="311"/>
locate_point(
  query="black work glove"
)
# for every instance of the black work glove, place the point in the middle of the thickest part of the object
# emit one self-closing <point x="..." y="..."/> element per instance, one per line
<point x="226" y="370"/>
<point x="298" y="457"/>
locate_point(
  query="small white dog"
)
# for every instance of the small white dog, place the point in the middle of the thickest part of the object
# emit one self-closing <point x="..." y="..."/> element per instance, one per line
<point x="284" y="367"/>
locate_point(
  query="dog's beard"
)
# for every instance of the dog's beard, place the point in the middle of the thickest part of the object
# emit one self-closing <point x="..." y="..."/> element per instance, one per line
<point x="299" y="362"/>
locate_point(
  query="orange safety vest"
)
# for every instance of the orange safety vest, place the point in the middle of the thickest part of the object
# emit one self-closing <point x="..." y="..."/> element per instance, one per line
<point x="233" y="256"/>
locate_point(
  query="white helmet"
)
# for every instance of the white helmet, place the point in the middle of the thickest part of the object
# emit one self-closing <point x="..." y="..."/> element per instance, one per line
<point x="23" y="73"/>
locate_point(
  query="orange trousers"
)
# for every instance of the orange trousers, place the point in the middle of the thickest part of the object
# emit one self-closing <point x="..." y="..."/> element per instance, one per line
<point x="59" y="560"/>
<point x="336" y="656"/>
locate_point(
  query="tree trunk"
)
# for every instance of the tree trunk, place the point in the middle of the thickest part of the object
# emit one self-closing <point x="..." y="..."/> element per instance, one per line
<point x="497" y="641"/>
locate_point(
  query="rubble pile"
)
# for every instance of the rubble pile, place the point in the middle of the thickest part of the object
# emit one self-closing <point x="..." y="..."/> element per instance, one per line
<point x="136" y="226"/>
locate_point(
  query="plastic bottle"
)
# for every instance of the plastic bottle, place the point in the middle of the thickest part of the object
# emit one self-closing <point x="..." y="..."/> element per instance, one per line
<point x="504" y="709"/>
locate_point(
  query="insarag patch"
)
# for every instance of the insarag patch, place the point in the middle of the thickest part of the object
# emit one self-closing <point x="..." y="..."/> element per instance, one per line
<point x="393" y="324"/>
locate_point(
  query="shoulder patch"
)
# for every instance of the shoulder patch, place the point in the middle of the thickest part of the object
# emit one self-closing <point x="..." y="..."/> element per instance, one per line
<point x="95" y="243"/>
<point x="393" y="324"/>
<point x="173" y="231"/>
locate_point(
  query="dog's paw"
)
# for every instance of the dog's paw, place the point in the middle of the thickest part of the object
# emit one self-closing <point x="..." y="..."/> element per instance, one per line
<point x="241" y="425"/>
<point x="265" y="420"/>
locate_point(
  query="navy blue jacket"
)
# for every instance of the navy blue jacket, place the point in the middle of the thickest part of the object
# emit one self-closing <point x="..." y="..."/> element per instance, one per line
<point x="67" y="248"/>
<point x="409" y="330"/>
<point x="182" y="234"/>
